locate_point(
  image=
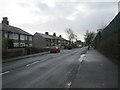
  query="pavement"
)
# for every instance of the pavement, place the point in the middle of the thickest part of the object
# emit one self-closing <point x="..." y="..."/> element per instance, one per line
<point x="23" y="57"/>
<point x="96" y="71"/>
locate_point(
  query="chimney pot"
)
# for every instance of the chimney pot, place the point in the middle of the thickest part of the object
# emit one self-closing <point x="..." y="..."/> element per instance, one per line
<point x="54" y="34"/>
<point x="60" y="36"/>
<point x="5" y="20"/>
<point x="46" y="33"/>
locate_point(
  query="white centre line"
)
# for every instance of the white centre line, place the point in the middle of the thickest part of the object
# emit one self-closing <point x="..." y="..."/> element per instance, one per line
<point x="4" y="72"/>
<point x="32" y="63"/>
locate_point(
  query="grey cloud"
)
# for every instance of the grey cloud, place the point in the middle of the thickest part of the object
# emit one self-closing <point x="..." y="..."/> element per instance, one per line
<point x="101" y="13"/>
<point x="42" y="6"/>
<point x="23" y="5"/>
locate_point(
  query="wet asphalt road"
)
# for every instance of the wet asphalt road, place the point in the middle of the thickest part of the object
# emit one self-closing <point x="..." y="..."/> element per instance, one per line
<point x="54" y="70"/>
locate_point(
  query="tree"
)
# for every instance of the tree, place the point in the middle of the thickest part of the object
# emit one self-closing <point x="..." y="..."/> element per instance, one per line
<point x="70" y="34"/>
<point x="89" y="37"/>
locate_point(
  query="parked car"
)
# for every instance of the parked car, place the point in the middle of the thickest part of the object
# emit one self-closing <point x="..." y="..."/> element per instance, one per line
<point x="54" y="49"/>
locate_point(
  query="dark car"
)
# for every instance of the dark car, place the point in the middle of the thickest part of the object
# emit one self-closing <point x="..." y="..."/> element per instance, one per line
<point x="54" y="49"/>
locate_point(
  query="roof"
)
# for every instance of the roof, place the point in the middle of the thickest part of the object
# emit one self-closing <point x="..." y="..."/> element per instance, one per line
<point x="50" y="36"/>
<point x="13" y="29"/>
<point x="44" y="35"/>
<point x="56" y="37"/>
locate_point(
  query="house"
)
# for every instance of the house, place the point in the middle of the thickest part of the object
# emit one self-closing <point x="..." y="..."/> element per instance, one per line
<point x="57" y="41"/>
<point x="19" y="37"/>
<point x="45" y="40"/>
<point x="79" y="43"/>
<point x="42" y="40"/>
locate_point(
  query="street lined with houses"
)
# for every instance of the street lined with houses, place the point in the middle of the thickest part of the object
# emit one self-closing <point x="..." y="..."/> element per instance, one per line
<point x="45" y="60"/>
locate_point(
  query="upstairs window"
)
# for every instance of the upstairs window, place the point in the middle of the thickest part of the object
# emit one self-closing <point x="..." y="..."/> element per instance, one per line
<point x="26" y="37"/>
<point x="15" y="36"/>
<point x="22" y="37"/>
<point x="30" y="38"/>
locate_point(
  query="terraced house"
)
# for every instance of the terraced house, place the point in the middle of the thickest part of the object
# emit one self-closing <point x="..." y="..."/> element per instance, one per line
<point x="45" y="40"/>
<point x="19" y="37"/>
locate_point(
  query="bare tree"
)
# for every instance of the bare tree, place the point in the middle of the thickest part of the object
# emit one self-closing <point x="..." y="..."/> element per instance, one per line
<point x="89" y="37"/>
<point x="70" y="34"/>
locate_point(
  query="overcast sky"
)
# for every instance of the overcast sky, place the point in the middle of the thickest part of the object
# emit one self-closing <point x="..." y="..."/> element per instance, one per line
<point x="57" y="15"/>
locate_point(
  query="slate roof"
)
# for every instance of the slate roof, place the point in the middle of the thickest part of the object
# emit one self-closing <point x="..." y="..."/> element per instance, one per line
<point x="45" y="36"/>
<point x="54" y="37"/>
<point x="13" y="29"/>
<point x="50" y="36"/>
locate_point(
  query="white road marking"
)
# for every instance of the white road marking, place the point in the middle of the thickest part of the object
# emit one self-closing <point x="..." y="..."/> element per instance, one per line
<point x="32" y="63"/>
<point x="81" y="58"/>
<point x="68" y="85"/>
<point x="4" y="72"/>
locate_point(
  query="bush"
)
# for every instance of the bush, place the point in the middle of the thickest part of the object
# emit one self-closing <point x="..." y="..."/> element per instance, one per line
<point x="7" y="43"/>
<point x="32" y="50"/>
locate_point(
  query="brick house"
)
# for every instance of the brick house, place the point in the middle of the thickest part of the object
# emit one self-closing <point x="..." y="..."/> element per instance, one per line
<point x="19" y="37"/>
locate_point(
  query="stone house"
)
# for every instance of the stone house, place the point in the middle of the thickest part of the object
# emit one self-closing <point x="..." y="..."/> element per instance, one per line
<point x="45" y="40"/>
<point x="19" y="37"/>
<point x="42" y="40"/>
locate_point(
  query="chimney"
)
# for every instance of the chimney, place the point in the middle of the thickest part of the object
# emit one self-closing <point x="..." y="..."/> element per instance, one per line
<point x="5" y="20"/>
<point x="60" y="36"/>
<point x="46" y="33"/>
<point x="54" y="34"/>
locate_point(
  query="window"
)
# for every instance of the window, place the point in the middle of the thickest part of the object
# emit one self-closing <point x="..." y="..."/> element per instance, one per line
<point x="26" y="37"/>
<point x="15" y="36"/>
<point x="6" y="35"/>
<point x="30" y="44"/>
<point x="30" y="38"/>
<point x="26" y="44"/>
<point x="16" y="44"/>
<point x="11" y="36"/>
<point x="22" y="37"/>
<point x="59" y="41"/>
<point x="22" y="44"/>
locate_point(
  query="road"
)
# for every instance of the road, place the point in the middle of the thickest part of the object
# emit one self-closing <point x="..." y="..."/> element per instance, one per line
<point x="55" y="70"/>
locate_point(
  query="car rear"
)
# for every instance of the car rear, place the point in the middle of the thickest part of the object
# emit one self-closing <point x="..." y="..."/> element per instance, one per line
<point x="54" y="50"/>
